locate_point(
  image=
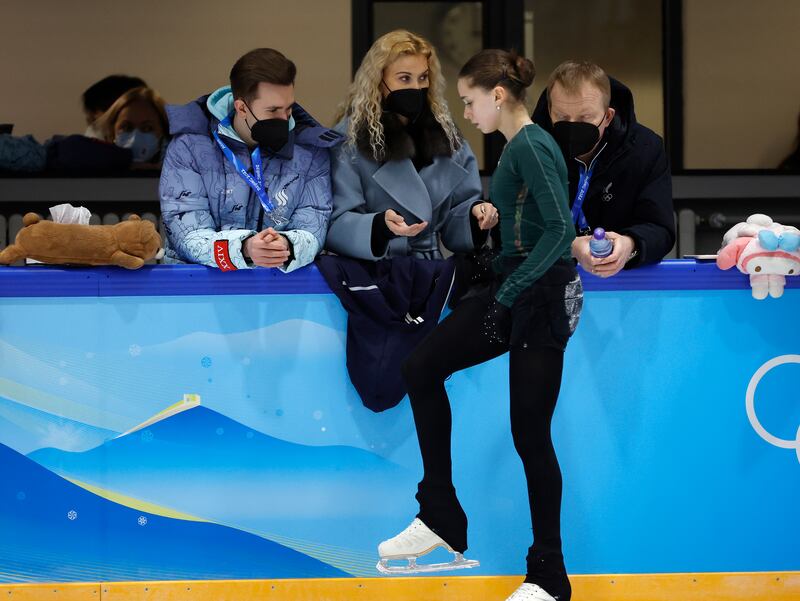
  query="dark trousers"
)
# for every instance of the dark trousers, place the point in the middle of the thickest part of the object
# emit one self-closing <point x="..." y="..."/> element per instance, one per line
<point x="535" y="379"/>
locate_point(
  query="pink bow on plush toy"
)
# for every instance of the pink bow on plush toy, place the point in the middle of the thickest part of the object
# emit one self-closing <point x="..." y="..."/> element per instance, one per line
<point x="765" y="250"/>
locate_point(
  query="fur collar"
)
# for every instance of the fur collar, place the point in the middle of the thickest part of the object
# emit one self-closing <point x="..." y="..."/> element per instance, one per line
<point x="420" y="141"/>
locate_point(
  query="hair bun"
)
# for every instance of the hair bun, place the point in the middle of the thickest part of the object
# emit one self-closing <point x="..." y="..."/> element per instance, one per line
<point x="496" y="67"/>
<point x="524" y="68"/>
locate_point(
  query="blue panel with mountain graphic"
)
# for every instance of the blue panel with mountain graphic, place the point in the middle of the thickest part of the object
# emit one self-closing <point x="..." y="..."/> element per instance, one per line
<point x="197" y="437"/>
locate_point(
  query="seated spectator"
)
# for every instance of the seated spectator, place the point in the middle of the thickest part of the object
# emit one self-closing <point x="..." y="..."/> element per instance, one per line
<point x="132" y="133"/>
<point x="137" y="121"/>
<point x="246" y="179"/>
<point x="99" y="97"/>
<point x="619" y="176"/>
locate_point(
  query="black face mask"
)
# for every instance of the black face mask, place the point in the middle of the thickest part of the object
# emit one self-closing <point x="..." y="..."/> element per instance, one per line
<point x="576" y="138"/>
<point x="270" y="134"/>
<point x="408" y="102"/>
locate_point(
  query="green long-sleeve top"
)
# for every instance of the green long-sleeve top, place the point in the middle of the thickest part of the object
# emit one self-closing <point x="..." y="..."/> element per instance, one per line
<point x="530" y="190"/>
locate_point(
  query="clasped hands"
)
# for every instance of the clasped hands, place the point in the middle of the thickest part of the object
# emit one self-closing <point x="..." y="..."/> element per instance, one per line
<point x="267" y="248"/>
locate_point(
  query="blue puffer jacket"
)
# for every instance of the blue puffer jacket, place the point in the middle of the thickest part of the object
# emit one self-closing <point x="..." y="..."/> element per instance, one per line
<point x="209" y="210"/>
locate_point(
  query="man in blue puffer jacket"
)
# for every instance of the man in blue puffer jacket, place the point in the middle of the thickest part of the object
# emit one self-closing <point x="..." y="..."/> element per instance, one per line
<point x="246" y="177"/>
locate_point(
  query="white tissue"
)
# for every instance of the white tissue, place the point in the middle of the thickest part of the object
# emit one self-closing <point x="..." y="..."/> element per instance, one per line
<point x="66" y="213"/>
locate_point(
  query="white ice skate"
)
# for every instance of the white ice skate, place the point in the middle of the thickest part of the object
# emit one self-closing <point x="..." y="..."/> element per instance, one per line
<point x="530" y="592"/>
<point x="413" y="542"/>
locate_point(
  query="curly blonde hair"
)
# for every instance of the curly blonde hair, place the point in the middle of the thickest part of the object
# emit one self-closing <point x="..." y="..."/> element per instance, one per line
<point x="363" y="105"/>
<point x="106" y="122"/>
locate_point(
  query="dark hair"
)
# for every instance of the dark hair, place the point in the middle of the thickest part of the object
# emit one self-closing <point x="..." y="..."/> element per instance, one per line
<point x="101" y="95"/>
<point x="506" y="68"/>
<point x="260" y="65"/>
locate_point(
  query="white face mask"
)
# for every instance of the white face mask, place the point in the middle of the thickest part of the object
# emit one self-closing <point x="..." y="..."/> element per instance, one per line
<point x="143" y="145"/>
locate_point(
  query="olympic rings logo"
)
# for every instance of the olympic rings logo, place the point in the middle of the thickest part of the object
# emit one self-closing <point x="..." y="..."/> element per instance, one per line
<point x="751" y="410"/>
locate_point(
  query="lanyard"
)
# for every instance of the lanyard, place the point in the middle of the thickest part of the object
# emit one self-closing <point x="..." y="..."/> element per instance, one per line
<point x="578" y="218"/>
<point x="254" y="180"/>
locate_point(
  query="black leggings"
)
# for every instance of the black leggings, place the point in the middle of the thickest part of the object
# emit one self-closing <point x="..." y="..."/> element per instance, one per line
<point x="535" y="380"/>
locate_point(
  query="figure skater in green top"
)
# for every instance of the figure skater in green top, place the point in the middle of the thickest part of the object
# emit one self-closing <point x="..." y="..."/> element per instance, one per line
<point x="528" y="308"/>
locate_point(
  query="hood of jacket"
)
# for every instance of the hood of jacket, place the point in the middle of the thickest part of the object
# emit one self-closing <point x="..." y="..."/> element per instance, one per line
<point x="201" y="116"/>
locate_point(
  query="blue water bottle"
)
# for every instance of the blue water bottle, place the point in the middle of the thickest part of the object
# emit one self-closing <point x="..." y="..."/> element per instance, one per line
<point x="600" y="246"/>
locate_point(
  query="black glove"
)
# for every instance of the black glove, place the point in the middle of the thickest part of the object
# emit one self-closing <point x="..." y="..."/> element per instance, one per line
<point x="472" y="269"/>
<point x="482" y="266"/>
<point x="496" y="326"/>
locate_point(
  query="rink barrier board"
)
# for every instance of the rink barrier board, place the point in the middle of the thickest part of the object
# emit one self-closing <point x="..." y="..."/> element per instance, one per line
<point x="197" y="280"/>
<point x="723" y="586"/>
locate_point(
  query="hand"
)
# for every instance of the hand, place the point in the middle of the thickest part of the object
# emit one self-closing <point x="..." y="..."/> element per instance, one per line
<point x="267" y="248"/>
<point x="613" y="263"/>
<point x="496" y="326"/>
<point x="607" y="266"/>
<point x="397" y="225"/>
<point x="581" y="252"/>
<point x="486" y="214"/>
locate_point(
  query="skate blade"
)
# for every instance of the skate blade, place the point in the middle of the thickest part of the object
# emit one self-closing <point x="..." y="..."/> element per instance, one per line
<point x="458" y="564"/>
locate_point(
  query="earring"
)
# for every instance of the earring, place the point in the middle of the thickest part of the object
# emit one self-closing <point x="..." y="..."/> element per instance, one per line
<point x="497" y="107"/>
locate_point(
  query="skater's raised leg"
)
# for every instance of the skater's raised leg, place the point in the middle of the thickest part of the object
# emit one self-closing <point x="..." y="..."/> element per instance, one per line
<point x="457" y="343"/>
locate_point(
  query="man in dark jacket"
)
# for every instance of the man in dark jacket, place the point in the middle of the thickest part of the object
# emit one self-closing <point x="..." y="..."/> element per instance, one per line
<point x="619" y="177"/>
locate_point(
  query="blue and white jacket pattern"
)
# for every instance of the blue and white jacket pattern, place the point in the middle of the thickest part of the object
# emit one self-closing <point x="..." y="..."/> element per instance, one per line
<point x="204" y="200"/>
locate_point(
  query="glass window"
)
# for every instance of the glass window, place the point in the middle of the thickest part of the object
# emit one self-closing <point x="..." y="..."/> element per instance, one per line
<point x="622" y="36"/>
<point x="741" y="85"/>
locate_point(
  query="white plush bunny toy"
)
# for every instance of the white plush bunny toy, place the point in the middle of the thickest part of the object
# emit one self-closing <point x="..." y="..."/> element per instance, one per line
<point x="765" y="250"/>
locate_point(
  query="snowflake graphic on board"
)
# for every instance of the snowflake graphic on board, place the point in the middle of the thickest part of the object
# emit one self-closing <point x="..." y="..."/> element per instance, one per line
<point x="72" y="515"/>
<point x="135" y="350"/>
<point x="142" y="521"/>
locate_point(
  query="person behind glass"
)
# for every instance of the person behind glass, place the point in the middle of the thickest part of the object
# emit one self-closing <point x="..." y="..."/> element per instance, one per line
<point x="619" y="175"/>
<point x="404" y="177"/>
<point x="131" y="134"/>
<point x="99" y="97"/>
<point x="246" y="178"/>
<point x="137" y="120"/>
<point x="530" y="310"/>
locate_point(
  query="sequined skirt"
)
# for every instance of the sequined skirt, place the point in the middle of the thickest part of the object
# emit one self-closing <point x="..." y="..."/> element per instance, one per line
<point x="545" y="313"/>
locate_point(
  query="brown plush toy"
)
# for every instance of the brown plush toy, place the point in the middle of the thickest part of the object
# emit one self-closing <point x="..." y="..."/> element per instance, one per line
<point x="127" y="244"/>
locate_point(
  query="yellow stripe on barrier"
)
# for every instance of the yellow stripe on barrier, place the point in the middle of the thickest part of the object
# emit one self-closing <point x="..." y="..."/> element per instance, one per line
<point x="70" y="591"/>
<point x="751" y="586"/>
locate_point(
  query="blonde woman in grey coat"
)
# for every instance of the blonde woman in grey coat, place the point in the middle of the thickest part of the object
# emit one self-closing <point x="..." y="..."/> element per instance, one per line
<point x="405" y="179"/>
